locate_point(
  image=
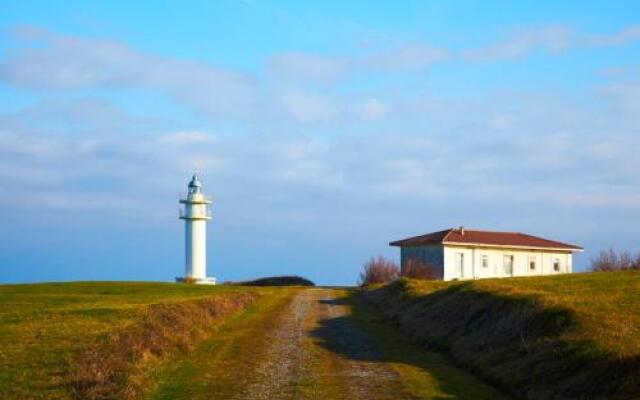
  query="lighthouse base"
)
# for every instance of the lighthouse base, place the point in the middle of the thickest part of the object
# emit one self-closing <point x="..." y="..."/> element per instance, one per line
<point x="197" y="281"/>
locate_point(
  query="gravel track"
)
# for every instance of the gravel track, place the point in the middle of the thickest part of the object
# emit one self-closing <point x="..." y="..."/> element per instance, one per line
<point x="356" y="358"/>
<point x="276" y="377"/>
<point x="315" y="351"/>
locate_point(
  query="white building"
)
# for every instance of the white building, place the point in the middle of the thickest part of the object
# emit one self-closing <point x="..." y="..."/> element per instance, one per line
<point x="461" y="253"/>
<point x="195" y="214"/>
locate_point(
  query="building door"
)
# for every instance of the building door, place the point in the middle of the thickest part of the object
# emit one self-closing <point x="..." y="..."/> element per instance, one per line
<point x="460" y="265"/>
<point x="508" y="265"/>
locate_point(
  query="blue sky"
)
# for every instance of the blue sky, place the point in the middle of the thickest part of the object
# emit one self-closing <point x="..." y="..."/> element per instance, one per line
<point x="323" y="131"/>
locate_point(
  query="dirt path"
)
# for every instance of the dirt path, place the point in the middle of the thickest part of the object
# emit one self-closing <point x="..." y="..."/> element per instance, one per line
<point x="355" y="361"/>
<point x="277" y="375"/>
<point x="317" y="344"/>
<point x="317" y="352"/>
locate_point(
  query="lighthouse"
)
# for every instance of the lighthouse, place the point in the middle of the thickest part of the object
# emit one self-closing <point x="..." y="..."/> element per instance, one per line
<point x="195" y="214"/>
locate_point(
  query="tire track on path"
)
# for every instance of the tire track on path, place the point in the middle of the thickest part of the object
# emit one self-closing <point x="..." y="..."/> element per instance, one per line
<point x="316" y="352"/>
<point x="276" y="377"/>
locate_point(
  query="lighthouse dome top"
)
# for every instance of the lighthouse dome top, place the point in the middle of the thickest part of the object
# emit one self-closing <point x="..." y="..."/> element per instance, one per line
<point x="195" y="182"/>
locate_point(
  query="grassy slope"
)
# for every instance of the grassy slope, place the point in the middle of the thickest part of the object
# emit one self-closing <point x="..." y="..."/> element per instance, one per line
<point x="572" y="336"/>
<point x="425" y="374"/>
<point x="220" y="364"/>
<point x="43" y="326"/>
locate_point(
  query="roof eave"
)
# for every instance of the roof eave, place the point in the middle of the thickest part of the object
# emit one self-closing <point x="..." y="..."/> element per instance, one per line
<point x="573" y="249"/>
<point x="402" y="243"/>
<point x="398" y="243"/>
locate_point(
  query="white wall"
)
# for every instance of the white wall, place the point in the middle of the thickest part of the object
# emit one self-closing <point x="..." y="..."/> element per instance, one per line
<point x="473" y="269"/>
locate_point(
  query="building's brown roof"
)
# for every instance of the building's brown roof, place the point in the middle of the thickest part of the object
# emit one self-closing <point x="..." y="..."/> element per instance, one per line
<point x="486" y="238"/>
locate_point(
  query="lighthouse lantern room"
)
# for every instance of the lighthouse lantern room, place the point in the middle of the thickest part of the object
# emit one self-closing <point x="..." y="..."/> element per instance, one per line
<point x="195" y="214"/>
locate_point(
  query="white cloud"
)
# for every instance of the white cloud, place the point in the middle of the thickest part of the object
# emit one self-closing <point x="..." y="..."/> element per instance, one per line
<point x="625" y="97"/>
<point x="412" y="177"/>
<point x="434" y="148"/>
<point x="409" y="57"/>
<point x="302" y="67"/>
<point x="287" y="93"/>
<point x="67" y="62"/>
<point x="307" y="107"/>
<point x="552" y="39"/>
<point x="188" y="138"/>
<point x="315" y="191"/>
<point x="373" y="108"/>
<point x="305" y="67"/>
<point x="312" y="146"/>
<point x="626" y="35"/>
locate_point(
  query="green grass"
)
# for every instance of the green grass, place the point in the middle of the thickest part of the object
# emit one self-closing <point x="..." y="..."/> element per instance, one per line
<point x="605" y="305"/>
<point x="43" y="326"/>
<point x="575" y="336"/>
<point x="425" y="374"/>
<point x="220" y="364"/>
<point x="570" y="336"/>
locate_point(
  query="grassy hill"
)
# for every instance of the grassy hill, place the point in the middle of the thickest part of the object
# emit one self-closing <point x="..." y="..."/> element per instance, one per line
<point x="65" y="340"/>
<point x="563" y="337"/>
<point x="570" y="336"/>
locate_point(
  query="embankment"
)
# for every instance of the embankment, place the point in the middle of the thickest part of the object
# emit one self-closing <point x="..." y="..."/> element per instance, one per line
<point x="121" y="364"/>
<point x="564" y="337"/>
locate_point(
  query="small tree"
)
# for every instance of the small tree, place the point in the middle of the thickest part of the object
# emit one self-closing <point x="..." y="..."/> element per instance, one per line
<point x="418" y="270"/>
<point x="378" y="270"/>
<point x="610" y="260"/>
<point x="606" y="260"/>
<point x="626" y="260"/>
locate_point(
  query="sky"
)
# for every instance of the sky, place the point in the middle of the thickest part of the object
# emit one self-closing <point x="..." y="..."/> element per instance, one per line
<point x="322" y="130"/>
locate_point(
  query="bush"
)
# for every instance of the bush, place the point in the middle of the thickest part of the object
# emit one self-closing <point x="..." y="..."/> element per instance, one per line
<point x="279" y="281"/>
<point x="378" y="270"/>
<point x="418" y="270"/>
<point x="610" y="260"/>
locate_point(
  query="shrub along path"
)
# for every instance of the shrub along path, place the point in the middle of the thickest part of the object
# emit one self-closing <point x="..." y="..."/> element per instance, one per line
<point x="314" y="344"/>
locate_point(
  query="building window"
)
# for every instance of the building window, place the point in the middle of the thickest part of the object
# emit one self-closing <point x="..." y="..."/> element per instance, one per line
<point x="532" y="263"/>
<point x="460" y="264"/>
<point x="556" y="264"/>
<point x="508" y="265"/>
<point x="485" y="261"/>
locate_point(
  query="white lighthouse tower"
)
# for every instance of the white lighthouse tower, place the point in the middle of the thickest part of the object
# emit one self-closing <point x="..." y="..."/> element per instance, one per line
<point x="195" y="214"/>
